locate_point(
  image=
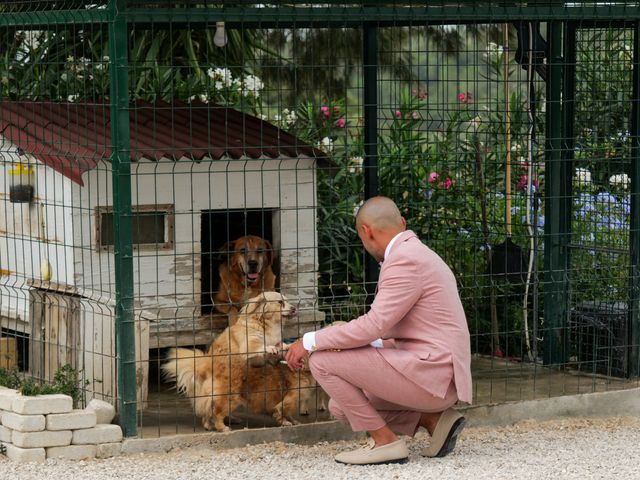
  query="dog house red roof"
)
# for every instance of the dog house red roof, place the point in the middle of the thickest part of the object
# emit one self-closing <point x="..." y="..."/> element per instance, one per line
<point x="72" y="138"/>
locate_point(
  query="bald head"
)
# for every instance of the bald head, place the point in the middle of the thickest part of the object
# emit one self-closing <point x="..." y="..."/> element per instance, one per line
<point x="380" y="213"/>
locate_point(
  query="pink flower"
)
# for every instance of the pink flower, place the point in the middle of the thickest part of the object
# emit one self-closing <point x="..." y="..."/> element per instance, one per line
<point x="433" y="176"/>
<point x="414" y="115"/>
<point x="398" y="114"/>
<point x="462" y="97"/>
<point x="325" y="111"/>
<point x="447" y="183"/>
<point x="341" y="122"/>
<point x="522" y="183"/>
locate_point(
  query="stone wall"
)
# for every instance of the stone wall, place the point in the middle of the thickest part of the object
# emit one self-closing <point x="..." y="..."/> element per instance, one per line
<point x="34" y="428"/>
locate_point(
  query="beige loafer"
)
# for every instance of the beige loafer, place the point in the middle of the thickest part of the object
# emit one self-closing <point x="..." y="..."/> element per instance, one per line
<point x="444" y="437"/>
<point x="396" y="452"/>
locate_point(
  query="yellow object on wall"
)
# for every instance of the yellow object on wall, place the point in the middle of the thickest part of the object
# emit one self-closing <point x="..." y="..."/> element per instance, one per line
<point x="45" y="270"/>
<point x="21" y="169"/>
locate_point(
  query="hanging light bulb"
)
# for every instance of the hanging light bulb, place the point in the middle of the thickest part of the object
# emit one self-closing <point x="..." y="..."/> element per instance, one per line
<point x="220" y="37"/>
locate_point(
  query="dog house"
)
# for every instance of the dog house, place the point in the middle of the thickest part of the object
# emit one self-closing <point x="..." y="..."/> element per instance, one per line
<point x="201" y="175"/>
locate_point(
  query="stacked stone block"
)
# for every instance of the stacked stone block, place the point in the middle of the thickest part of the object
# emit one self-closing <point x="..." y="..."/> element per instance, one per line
<point x="33" y="428"/>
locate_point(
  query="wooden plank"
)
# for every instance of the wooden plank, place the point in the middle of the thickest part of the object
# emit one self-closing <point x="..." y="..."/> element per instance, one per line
<point x="36" y="340"/>
<point x="50" y="336"/>
<point x="8" y="352"/>
<point x="52" y="286"/>
<point x="186" y="332"/>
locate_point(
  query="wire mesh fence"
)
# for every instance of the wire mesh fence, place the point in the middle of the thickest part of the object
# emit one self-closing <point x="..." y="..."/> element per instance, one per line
<point x="165" y="163"/>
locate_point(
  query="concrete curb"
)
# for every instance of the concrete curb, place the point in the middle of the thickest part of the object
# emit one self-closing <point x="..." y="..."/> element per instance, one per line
<point x="606" y="404"/>
<point x="601" y="404"/>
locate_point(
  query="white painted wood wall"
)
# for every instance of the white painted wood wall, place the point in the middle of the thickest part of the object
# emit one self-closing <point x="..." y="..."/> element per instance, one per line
<point x="59" y="225"/>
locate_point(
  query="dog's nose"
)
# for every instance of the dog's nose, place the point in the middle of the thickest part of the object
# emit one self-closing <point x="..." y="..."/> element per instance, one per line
<point x="253" y="265"/>
<point x="293" y="311"/>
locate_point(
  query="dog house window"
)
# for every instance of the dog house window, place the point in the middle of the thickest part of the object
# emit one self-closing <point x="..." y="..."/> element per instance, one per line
<point x="151" y="225"/>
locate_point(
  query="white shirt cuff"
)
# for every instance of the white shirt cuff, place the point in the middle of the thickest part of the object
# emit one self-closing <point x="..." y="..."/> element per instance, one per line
<point x="309" y="341"/>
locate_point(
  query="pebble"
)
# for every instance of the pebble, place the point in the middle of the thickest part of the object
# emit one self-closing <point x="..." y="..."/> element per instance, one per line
<point x="584" y="448"/>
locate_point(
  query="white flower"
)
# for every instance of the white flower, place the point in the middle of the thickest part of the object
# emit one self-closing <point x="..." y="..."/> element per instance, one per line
<point x="222" y="78"/>
<point x="355" y="164"/>
<point x="251" y="85"/>
<point x="357" y="207"/>
<point x="327" y="144"/>
<point x="493" y="50"/>
<point x="290" y="116"/>
<point x="474" y="124"/>
<point x="277" y="117"/>
<point x="620" y="180"/>
<point x="31" y="39"/>
<point x="262" y="116"/>
<point x="105" y="61"/>
<point x="583" y="176"/>
<point x="203" y="98"/>
<point x="72" y="98"/>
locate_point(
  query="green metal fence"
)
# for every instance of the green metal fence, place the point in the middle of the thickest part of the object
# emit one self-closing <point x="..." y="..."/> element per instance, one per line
<point x="140" y="137"/>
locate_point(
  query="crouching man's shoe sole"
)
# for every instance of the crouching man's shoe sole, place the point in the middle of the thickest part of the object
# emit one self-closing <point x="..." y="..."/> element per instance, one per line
<point x="445" y="435"/>
<point x="396" y="452"/>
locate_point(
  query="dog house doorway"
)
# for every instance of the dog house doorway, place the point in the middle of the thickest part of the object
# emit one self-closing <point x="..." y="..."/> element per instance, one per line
<point x="220" y="227"/>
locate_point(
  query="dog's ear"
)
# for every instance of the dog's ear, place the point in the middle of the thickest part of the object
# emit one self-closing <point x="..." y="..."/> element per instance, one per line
<point x="225" y="251"/>
<point x="271" y="255"/>
<point x="253" y="305"/>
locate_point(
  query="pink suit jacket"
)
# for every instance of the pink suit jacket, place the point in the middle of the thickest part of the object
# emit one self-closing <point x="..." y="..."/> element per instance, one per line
<point x="418" y="313"/>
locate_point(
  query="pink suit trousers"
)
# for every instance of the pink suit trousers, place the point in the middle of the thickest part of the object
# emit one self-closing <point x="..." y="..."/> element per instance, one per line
<point x="367" y="393"/>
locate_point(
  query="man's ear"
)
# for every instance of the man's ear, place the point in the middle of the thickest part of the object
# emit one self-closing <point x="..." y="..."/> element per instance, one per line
<point x="367" y="230"/>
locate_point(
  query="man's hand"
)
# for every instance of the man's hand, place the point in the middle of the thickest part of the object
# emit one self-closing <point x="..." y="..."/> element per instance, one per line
<point x="295" y="354"/>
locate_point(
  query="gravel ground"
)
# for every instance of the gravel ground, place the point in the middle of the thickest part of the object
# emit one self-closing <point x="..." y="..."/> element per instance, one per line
<point x="567" y="449"/>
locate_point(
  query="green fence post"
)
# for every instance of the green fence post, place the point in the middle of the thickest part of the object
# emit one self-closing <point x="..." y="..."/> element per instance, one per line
<point x="123" y="251"/>
<point x="556" y="211"/>
<point x="370" y="94"/>
<point x="634" y="233"/>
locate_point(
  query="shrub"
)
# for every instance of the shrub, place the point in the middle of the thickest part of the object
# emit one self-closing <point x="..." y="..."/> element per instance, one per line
<point x="65" y="381"/>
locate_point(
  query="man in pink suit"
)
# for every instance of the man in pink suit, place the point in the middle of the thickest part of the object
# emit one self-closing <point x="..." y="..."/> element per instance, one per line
<point x="404" y="363"/>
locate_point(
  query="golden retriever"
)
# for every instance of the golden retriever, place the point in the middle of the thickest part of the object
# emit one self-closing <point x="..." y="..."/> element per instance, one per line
<point x="245" y="273"/>
<point x="214" y="380"/>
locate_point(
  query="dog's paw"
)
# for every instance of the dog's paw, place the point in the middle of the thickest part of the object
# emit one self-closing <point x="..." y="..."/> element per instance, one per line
<point x="272" y="350"/>
<point x="285" y="423"/>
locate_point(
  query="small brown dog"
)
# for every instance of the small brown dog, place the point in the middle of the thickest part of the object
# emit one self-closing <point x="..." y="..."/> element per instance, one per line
<point x="276" y="390"/>
<point x="244" y="273"/>
<point x="214" y="380"/>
